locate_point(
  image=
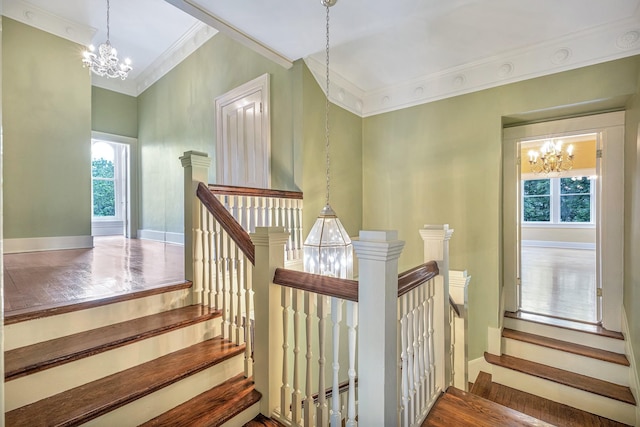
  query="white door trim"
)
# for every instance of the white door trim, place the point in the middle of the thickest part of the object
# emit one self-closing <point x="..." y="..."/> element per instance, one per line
<point x="259" y="84"/>
<point x="132" y="190"/>
<point x="610" y="240"/>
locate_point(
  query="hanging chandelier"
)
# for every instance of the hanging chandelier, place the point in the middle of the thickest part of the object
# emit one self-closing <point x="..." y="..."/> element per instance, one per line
<point x="328" y="250"/>
<point x="551" y="158"/>
<point x="105" y="62"/>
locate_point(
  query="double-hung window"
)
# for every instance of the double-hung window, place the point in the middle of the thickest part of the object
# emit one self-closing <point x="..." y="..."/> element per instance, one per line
<point x="558" y="200"/>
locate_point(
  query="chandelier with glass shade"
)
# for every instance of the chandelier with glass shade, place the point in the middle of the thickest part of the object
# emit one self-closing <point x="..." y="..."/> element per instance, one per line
<point x="328" y="250"/>
<point x="552" y="157"/>
<point x="105" y="62"/>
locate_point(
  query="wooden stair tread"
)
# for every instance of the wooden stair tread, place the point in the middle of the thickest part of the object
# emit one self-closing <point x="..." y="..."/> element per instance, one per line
<point x="26" y="314"/>
<point x="37" y="357"/>
<point x="582" y="350"/>
<point x="262" y="421"/>
<point x="88" y="401"/>
<point x="482" y="385"/>
<point x="564" y="324"/>
<point x="462" y="409"/>
<point x="213" y="407"/>
<point x="571" y="379"/>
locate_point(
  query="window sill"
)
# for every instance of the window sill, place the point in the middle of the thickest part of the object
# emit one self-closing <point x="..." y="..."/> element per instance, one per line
<point x="557" y="225"/>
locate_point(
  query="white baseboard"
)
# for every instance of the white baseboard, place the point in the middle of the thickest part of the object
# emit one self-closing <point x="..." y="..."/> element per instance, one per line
<point x="161" y="236"/>
<point x="38" y="244"/>
<point x="634" y="381"/>
<point x="562" y="245"/>
<point x="107" y="228"/>
<point x="475" y="366"/>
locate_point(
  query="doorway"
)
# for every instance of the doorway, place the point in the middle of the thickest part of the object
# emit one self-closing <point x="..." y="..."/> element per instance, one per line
<point x="535" y="245"/>
<point x="109" y="184"/>
<point x="558" y="222"/>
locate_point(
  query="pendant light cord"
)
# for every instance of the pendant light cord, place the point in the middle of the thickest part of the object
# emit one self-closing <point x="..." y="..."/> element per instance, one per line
<point x="326" y="118"/>
<point x="108" y="21"/>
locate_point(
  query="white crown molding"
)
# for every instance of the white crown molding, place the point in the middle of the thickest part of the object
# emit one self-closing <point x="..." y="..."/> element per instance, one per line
<point x="341" y="91"/>
<point x="29" y="14"/>
<point x="197" y="35"/>
<point x="605" y="43"/>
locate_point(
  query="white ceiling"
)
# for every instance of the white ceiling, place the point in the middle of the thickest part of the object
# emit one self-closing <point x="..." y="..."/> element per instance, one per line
<point x="384" y="55"/>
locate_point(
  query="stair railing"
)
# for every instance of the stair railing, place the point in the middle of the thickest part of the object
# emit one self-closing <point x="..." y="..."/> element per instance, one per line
<point x="402" y="369"/>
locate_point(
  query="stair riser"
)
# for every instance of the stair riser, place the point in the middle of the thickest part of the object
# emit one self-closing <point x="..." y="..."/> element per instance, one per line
<point x="244" y="417"/>
<point x="31" y="388"/>
<point x="594" y="368"/>
<point x="152" y="405"/>
<point x="590" y="340"/>
<point x="599" y="405"/>
<point x="33" y="331"/>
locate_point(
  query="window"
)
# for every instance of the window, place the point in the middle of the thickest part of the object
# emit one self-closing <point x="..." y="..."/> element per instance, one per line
<point x="104" y="180"/>
<point x="558" y="200"/>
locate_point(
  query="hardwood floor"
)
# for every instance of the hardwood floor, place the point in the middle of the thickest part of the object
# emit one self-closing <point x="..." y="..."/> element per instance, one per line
<point x="115" y="266"/>
<point x="559" y="282"/>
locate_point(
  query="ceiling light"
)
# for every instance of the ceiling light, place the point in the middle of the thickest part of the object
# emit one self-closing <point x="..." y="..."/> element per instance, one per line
<point x="105" y="62"/>
<point x="551" y="158"/>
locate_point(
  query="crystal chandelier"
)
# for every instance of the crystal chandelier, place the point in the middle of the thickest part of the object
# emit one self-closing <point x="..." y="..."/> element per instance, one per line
<point x="551" y="158"/>
<point x="328" y="249"/>
<point x="106" y="62"/>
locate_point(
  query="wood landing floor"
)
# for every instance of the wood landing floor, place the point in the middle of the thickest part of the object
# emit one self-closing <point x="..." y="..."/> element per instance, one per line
<point x="115" y="266"/>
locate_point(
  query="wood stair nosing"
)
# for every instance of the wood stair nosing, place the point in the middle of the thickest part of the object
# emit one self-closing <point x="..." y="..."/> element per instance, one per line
<point x="213" y="407"/>
<point x="579" y="349"/>
<point x="262" y="421"/>
<point x="18" y="316"/>
<point x="91" y="400"/>
<point x="457" y="407"/>
<point x="48" y="354"/>
<point x="482" y="385"/>
<point x="564" y="324"/>
<point x="560" y="376"/>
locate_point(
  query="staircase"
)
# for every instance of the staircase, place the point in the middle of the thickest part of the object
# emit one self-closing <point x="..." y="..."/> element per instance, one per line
<point x="142" y="359"/>
<point x="584" y="370"/>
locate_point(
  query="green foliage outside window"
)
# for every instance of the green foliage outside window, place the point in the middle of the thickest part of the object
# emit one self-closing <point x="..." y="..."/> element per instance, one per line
<point x="104" y="194"/>
<point x="537" y="200"/>
<point x="575" y="200"/>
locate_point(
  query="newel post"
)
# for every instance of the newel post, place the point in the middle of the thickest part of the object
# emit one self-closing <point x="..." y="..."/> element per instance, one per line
<point x="378" y="253"/>
<point x="196" y="169"/>
<point x="436" y="248"/>
<point x="267" y="368"/>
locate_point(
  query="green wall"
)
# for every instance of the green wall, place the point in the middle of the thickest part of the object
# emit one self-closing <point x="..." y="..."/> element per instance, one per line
<point x="113" y="112"/>
<point x="345" y="142"/>
<point x="177" y="114"/>
<point x="632" y="224"/>
<point x="441" y="163"/>
<point x="46" y="103"/>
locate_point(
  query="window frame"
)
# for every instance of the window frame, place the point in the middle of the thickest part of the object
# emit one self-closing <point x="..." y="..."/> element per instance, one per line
<point x="555" y="203"/>
<point x="117" y="182"/>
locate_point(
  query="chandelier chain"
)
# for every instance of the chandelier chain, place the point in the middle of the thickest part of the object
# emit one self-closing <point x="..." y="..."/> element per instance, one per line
<point x="108" y="38"/>
<point x="326" y="118"/>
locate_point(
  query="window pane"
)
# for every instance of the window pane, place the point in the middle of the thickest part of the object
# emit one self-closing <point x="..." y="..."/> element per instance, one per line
<point x="102" y="168"/>
<point x="536" y="187"/>
<point x="575" y="186"/>
<point x="537" y="208"/>
<point x="575" y="208"/>
<point x="104" y="198"/>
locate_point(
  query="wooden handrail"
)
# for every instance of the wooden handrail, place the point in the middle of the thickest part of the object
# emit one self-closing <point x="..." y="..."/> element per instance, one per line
<point x="411" y="279"/>
<point x="228" y="222"/>
<point x="455" y="307"/>
<point x="324" y="285"/>
<point x="256" y="192"/>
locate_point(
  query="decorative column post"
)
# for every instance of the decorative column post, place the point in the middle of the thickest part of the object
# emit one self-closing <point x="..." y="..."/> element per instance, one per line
<point x="378" y="253"/>
<point x="436" y="248"/>
<point x="196" y="169"/>
<point x="267" y="355"/>
<point x="458" y="289"/>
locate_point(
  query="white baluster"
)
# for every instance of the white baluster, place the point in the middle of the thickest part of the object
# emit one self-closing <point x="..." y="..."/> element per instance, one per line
<point x="218" y="265"/>
<point x="323" y="410"/>
<point x="309" y="405"/>
<point x="336" y="318"/>
<point x="296" y="405"/>
<point x="226" y="300"/>
<point x="289" y="227"/>
<point x="233" y="283"/>
<point x="204" y="215"/>
<point x="197" y="261"/>
<point x="409" y="346"/>
<point x="248" y="338"/>
<point x="431" y="343"/>
<point x="404" y="357"/>
<point x="421" y="357"/>
<point x="239" y="300"/>
<point x="417" y="403"/>
<point x="285" y="389"/>
<point x="212" y="260"/>
<point x="352" y="323"/>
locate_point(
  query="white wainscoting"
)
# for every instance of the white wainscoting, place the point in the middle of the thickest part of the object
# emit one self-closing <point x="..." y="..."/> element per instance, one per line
<point x="162" y="236"/>
<point x="38" y="244"/>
